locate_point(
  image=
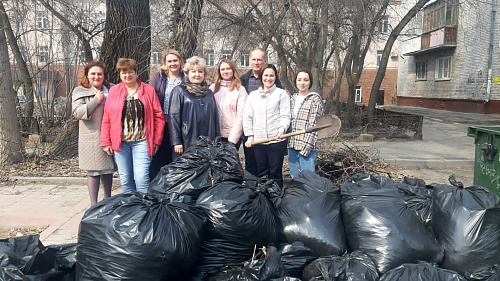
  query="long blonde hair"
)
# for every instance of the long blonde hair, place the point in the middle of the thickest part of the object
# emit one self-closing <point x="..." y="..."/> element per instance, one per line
<point x="164" y="67"/>
<point x="235" y="83"/>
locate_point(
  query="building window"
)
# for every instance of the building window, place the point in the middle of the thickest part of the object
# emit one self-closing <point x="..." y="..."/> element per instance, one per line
<point x="43" y="54"/>
<point x="155" y="58"/>
<point x="443" y="68"/>
<point x="379" y="57"/>
<point x="41" y="20"/>
<point x="100" y="21"/>
<point x="226" y="54"/>
<point x="209" y="24"/>
<point x="210" y="57"/>
<point x="245" y="60"/>
<point x="358" y="96"/>
<point x="421" y="70"/>
<point x="383" y="25"/>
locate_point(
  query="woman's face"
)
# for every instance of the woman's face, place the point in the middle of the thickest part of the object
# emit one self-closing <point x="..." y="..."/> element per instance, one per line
<point x="226" y="72"/>
<point x="303" y="81"/>
<point x="173" y="64"/>
<point x="96" y="76"/>
<point x="268" y="78"/>
<point x="196" y="75"/>
<point x="128" y="76"/>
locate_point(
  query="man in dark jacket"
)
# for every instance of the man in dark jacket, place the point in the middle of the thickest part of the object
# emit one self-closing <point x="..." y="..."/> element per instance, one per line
<point x="249" y="80"/>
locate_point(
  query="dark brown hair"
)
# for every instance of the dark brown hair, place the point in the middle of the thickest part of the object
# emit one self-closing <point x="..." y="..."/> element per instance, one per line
<point x="261" y="72"/>
<point x="308" y="73"/>
<point x="84" y="82"/>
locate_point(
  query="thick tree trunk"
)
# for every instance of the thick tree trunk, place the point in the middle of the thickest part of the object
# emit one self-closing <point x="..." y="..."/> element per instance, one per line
<point x="187" y="21"/>
<point x="23" y="68"/>
<point x="127" y="35"/>
<point x="385" y="55"/>
<point x="10" y="136"/>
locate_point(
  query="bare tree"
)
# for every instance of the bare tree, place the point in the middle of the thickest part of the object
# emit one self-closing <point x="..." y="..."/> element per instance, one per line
<point x="386" y="52"/>
<point x="127" y="34"/>
<point x="23" y="67"/>
<point x="10" y="136"/>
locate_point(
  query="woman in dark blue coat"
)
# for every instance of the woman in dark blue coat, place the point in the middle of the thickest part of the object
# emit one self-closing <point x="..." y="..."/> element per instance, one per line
<point x="192" y="111"/>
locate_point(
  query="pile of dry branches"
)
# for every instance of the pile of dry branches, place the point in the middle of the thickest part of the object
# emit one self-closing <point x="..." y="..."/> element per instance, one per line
<point x="338" y="160"/>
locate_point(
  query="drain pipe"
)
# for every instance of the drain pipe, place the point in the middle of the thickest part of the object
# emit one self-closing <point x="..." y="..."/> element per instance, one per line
<point x="490" y="59"/>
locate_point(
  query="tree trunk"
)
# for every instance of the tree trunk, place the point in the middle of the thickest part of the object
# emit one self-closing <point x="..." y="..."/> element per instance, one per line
<point x="23" y="68"/>
<point x="320" y="48"/>
<point x="66" y="143"/>
<point x="10" y="135"/>
<point x="127" y="35"/>
<point x="187" y="20"/>
<point x="385" y="55"/>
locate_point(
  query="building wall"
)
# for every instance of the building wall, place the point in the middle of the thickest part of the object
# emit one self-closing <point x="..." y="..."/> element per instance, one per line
<point x="466" y="89"/>
<point x="366" y="81"/>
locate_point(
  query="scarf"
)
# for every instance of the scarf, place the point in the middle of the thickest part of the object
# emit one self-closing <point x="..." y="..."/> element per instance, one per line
<point x="195" y="89"/>
<point x="225" y="83"/>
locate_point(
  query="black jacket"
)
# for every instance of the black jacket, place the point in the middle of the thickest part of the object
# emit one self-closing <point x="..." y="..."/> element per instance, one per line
<point x="190" y="116"/>
<point x="244" y="81"/>
<point x="159" y="82"/>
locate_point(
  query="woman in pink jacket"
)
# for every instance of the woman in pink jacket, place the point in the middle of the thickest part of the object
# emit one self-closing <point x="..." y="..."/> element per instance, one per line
<point x="132" y="127"/>
<point x="230" y="97"/>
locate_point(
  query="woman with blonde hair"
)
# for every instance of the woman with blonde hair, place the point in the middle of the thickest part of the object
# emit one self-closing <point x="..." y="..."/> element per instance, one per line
<point x="164" y="81"/>
<point x="230" y="97"/>
<point x="192" y="111"/>
<point x="132" y="127"/>
<point x="88" y="106"/>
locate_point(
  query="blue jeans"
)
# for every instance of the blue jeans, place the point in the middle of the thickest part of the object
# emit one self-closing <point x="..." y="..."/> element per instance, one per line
<point x="133" y="165"/>
<point x="298" y="163"/>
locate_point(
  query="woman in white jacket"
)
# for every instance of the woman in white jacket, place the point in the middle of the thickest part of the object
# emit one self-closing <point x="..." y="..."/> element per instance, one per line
<point x="267" y="115"/>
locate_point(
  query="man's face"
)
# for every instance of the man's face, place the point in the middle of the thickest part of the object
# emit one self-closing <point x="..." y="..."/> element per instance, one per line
<point x="257" y="60"/>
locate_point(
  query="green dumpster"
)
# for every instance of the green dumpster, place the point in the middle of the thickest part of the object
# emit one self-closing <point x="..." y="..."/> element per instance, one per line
<point x="487" y="163"/>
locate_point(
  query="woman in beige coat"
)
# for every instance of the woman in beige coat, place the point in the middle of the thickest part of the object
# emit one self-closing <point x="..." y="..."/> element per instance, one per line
<point x="88" y="107"/>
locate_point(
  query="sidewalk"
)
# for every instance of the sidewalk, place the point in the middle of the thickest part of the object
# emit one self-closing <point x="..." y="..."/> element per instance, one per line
<point x="60" y="203"/>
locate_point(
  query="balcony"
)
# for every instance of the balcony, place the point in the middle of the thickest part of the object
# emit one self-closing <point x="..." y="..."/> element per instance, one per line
<point x="439" y="39"/>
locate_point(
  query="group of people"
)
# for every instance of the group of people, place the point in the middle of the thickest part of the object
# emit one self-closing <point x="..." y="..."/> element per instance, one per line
<point x="137" y="128"/>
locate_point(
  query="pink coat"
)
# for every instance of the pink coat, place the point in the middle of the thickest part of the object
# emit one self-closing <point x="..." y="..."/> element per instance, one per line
<point x="230" y="106"/>
<point x="111" y="127"/>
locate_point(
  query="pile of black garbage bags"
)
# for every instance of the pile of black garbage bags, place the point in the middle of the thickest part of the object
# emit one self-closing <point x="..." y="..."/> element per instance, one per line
<point x="203" y="218"/>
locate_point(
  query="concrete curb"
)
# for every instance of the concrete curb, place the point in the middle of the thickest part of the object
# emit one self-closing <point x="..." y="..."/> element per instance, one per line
<point x="430" y="163"/>
<point x="69" y="180"/>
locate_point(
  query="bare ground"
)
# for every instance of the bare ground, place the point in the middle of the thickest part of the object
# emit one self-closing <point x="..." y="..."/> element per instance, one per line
<point x="440" y="175"/>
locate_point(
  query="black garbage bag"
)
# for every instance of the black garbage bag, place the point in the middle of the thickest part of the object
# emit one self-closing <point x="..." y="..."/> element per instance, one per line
<point x="134" y="236"/>
<point x="266" y="266"/>
<point x="240" y="218"/>
<point x="418" y="197"/>
<point x="11" y="273"/>
<point x="466" y="221"/>
<point x="377" y="221"/>
<point x="17" y="251"/>
<point x="310" y="213"/>
<point x="203" y="165"/>
<point x="488" y="274"/>
<point x="51" y="263"/>
<point x="295" y="257"/>
<point x="355" y="266"/>
<point x="421" y="271"/>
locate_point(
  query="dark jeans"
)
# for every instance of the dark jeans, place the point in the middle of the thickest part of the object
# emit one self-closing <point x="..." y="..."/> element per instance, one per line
<point x="269" y="159"/>
<point x="250" y="162"/>
<point x="163" y="156"/>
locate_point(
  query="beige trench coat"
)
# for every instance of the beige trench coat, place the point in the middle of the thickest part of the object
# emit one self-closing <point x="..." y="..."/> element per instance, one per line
<point x="89" y="110"/>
